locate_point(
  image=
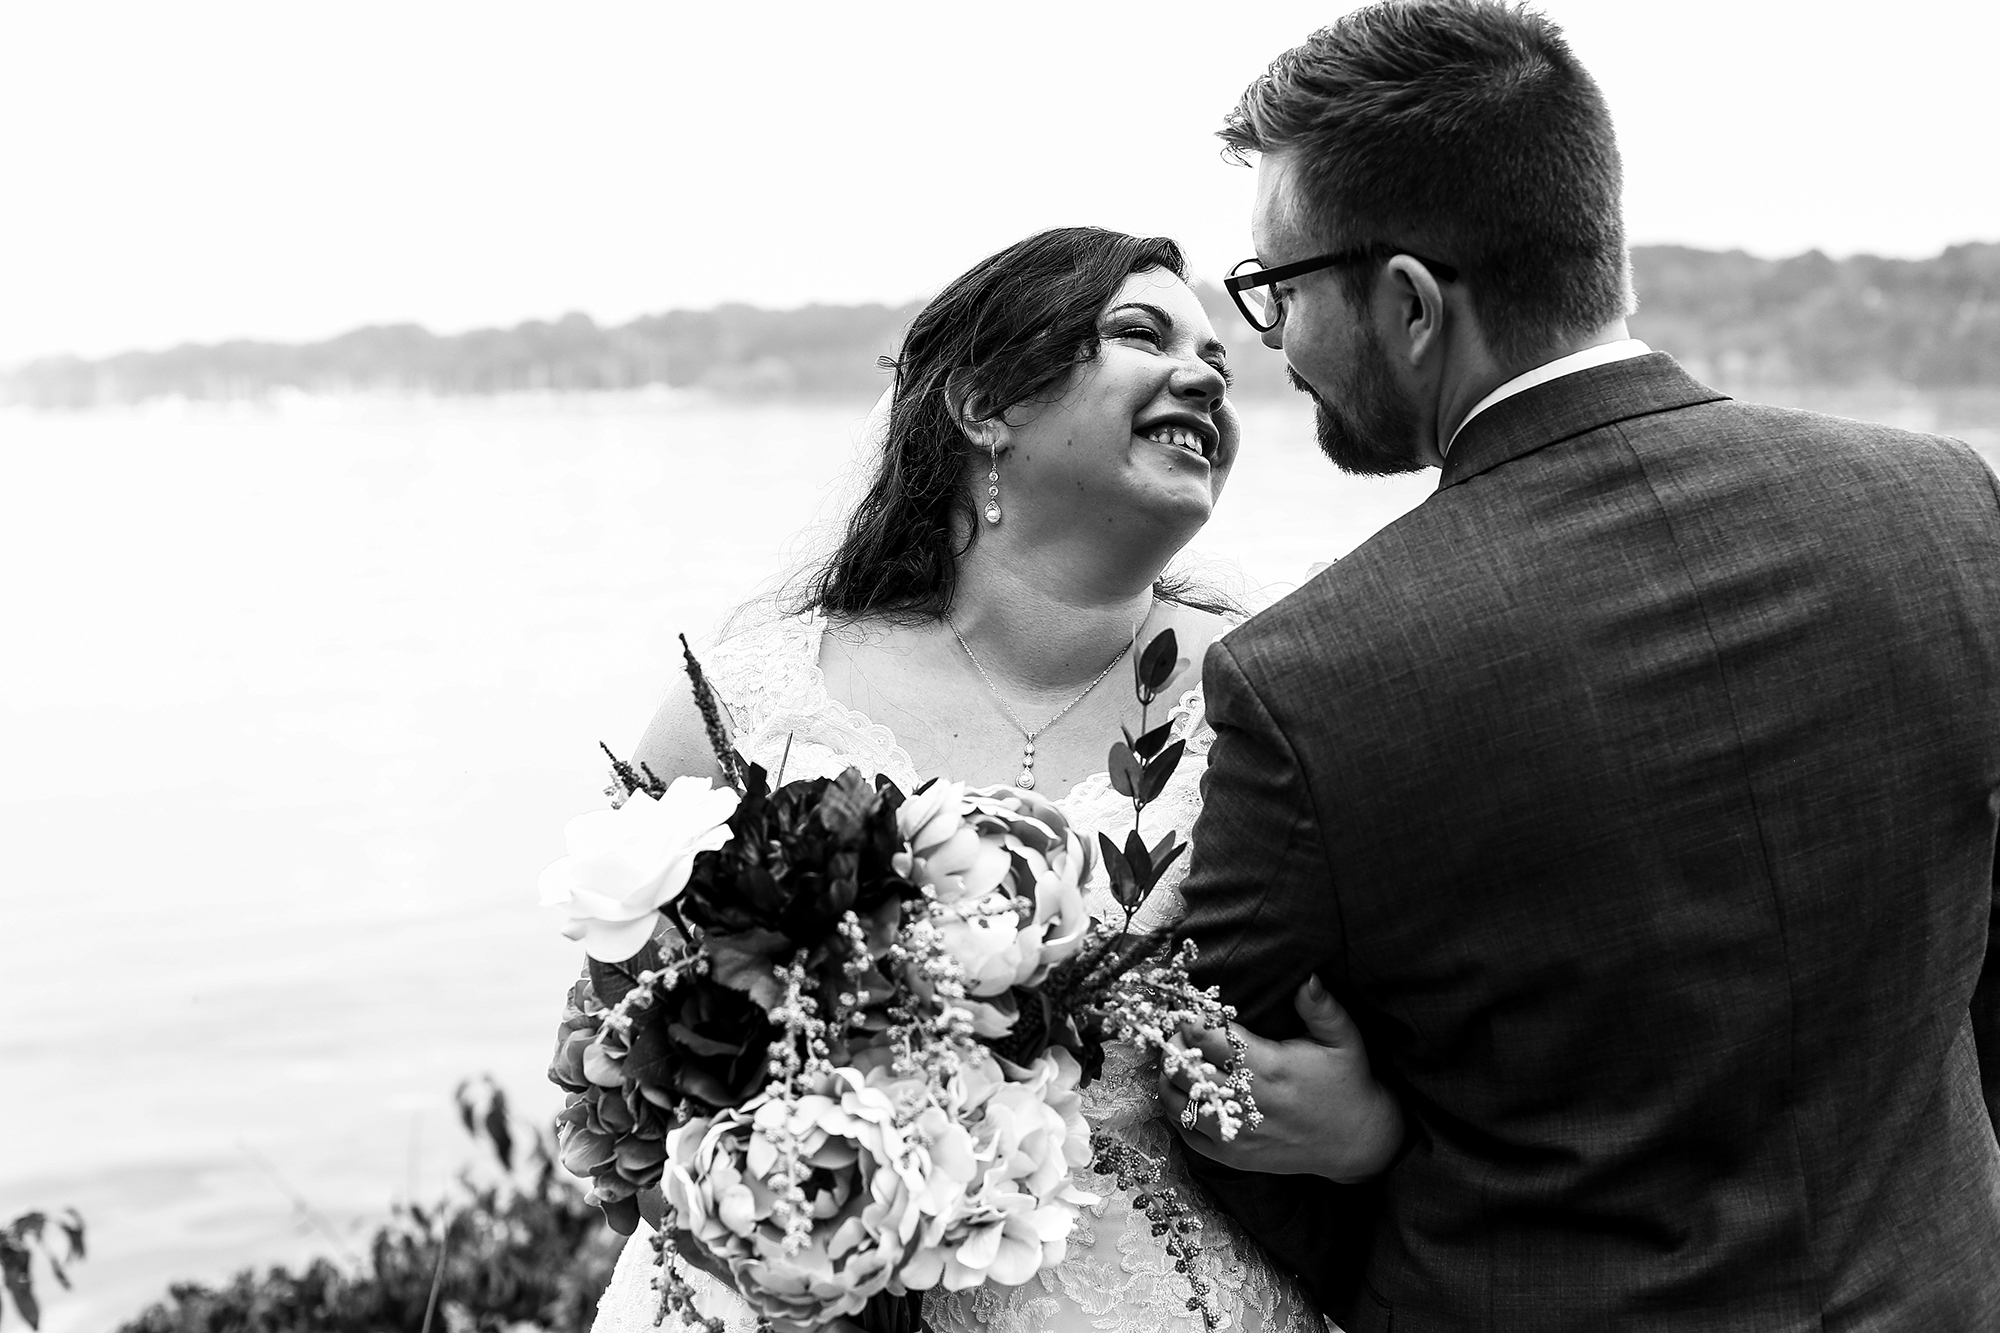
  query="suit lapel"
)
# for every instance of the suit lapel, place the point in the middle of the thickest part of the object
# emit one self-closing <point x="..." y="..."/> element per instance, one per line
<point x="1570" y="406"/>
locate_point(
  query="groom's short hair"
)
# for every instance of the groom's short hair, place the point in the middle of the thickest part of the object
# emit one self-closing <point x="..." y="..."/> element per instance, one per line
<point x="1463" y="129"/>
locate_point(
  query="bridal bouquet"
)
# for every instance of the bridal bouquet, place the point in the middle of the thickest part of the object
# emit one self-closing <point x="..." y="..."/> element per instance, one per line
<point x="843" y="1029"/>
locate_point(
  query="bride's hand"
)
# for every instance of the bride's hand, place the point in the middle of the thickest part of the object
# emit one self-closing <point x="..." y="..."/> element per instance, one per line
<point x="1325" y="1114"/>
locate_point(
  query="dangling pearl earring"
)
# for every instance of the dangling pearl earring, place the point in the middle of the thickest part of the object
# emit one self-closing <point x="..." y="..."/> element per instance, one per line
<point x="993" y="487"/>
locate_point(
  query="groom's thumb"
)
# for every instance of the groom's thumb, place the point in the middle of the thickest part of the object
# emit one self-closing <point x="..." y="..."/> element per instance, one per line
<point x="1326" y="1022"/>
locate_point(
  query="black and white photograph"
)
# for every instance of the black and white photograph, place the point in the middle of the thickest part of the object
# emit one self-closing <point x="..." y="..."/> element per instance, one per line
<point x="1045" y="667"/>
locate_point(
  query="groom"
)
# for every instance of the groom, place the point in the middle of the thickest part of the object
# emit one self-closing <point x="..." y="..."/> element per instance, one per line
<point x="1636" y="794"/>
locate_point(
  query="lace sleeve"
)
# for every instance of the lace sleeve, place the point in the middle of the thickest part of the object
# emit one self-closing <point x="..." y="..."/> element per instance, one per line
<point x="780" y="712"/>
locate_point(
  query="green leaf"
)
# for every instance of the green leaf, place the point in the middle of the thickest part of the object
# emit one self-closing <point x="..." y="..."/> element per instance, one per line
<point x="1156" y="665"/>
<point x="846" y="805"/>
<point x="621" y="1215"/>
<point x="612" y="981"/>
<point x="1140" y="859"/>
<point x="745" y="962"/>
<point x="1149" y="744"/>
<point x="1158" y="769"/>
<point x="1127" y="773"/>
<point x="1165" y="855"/>
<point x="1124" y="883"/>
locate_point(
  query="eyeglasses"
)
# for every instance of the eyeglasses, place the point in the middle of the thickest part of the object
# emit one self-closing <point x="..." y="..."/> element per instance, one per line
<point x="1250" y="284"/>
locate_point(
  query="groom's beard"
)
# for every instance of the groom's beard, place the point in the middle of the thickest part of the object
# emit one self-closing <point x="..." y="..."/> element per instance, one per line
<point x="1371" y="431"/>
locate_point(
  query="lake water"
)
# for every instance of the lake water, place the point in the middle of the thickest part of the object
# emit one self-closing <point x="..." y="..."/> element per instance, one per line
<point x="294" y="703"/>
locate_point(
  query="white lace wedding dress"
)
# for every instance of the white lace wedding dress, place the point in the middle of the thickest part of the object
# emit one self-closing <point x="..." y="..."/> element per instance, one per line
<point x="1118" y="1276"/>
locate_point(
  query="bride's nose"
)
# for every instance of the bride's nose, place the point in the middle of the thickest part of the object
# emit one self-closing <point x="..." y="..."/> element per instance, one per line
<point x="1195" y="380"/>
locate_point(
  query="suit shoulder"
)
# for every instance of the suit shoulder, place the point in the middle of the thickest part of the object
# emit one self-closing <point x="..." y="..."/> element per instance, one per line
<point x="1827" y="435"/>
<point x="1320" y="619"/>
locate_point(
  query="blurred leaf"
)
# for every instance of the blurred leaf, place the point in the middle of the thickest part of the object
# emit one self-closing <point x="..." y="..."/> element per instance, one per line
<point x="14" y="1269"/>
<point x="1157" y="663"/>
<point x="1127" y="773"/>
<point x="1149" y="744"/>
<point x="1158" y="770"/>
<point x="1124" y="884"/>
<point x="72" y="1225"/>
<point x="496" y="1127"/>
<point x="462" y="1097"/>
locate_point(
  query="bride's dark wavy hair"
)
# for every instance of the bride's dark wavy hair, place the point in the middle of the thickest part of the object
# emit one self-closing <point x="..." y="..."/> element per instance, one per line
<point x="1008" y="330"/>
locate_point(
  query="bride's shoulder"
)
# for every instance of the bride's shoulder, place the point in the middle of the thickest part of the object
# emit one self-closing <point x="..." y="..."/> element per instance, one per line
<point x="1194" y="630"/>
<point x="746" y="663"/>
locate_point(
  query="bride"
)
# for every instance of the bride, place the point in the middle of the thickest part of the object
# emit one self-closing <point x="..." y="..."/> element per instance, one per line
<point x="1059" y="429"/>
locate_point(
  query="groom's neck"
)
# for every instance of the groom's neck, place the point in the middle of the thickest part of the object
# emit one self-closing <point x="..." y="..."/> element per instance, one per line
<point x="1475" y="372"/>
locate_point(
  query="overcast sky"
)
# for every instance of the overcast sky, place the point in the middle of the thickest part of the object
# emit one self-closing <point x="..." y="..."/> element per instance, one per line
<point x="197" y="170"/>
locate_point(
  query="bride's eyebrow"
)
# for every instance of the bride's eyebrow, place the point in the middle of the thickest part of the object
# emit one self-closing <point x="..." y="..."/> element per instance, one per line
<point x="1214" y="346"/>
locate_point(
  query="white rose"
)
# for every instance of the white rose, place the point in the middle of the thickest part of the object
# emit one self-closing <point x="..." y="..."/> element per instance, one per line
<point x="626" y="864"/>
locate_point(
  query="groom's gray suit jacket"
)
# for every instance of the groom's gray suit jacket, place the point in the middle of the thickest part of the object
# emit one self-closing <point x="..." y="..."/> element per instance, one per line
<point x="1637" y="793"/>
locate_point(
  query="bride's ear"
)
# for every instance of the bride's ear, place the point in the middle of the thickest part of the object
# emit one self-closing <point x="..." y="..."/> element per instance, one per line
<point x="988" y="435"/>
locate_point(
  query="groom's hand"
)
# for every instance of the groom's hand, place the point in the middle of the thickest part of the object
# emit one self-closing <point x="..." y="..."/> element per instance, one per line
<point x="1324" y="1113"/>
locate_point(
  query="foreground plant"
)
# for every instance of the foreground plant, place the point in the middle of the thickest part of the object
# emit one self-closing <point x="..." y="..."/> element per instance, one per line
<point x="24" y="1238"/>
<point x="528" y="1251"/>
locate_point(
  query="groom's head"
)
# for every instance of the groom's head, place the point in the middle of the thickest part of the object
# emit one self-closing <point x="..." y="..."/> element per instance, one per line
<point x="1461" y="164"/>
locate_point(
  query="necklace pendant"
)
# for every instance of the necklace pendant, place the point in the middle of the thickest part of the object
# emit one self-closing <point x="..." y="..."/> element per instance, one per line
<point x="1026" y="782"/>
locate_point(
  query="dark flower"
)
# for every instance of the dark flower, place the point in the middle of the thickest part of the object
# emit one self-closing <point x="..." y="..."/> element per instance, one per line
<point x="703" y="1041"/>
<point x="799" y="859"/>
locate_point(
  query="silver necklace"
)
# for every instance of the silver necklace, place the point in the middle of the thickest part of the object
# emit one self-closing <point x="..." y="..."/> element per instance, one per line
<point x="1026" y="780"/>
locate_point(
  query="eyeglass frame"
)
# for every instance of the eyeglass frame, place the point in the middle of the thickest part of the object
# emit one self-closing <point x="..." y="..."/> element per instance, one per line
<point x="1237" y="283"/>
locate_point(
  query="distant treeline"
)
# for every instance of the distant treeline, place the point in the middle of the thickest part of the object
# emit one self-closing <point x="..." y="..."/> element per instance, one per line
<point x="1738" y="321"/>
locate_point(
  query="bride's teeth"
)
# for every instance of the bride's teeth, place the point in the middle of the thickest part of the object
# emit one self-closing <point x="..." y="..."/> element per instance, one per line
<point x="1179" y="438"/>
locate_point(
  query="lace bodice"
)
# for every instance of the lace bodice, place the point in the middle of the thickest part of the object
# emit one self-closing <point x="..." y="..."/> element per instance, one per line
<point x="1117" y="1277"/>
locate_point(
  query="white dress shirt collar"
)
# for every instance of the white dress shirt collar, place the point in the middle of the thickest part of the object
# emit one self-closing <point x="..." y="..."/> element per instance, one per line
<point x="1601" y="355"/>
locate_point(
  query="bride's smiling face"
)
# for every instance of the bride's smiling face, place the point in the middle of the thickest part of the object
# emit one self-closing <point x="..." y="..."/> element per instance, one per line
<point x="1141" y="434"/>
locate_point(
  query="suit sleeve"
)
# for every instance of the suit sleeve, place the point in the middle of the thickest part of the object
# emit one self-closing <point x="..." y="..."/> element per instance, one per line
<point x="1986" y="995"/>
<point x="1986" y="1007"/>
<point x="1262" y="912"/>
